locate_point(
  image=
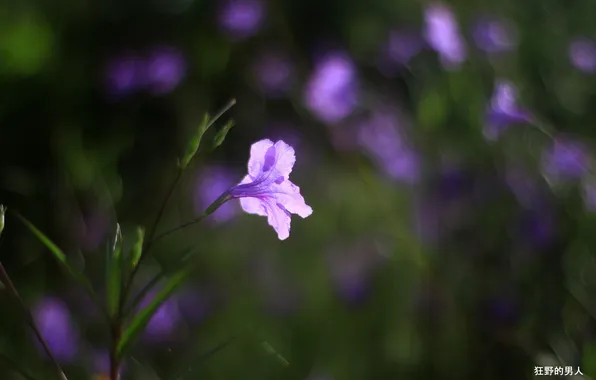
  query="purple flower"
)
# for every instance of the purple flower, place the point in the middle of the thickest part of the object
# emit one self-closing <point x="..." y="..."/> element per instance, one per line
<point x="57" y="328"/>
<point x="565" y="160"/>
<point x="503" y="110"/>
<point x="331" y="92"/>
<point x="267" y="190"/>
<point x="213" y="182"/>
<point x="582" y="53"/>
<point x="165" y="69"/>
<point x="399" y="49"/>
<point x="493" y="35"/>
<point x="241" y="18"/>
<point x="537" y="227"/>
<point x="164" y="321"/>
<point x="382" y="141"/>
<point x="442" y="34"/>
<point x="525" y="189"/>
<point x="124" y="75"/>
<point x="92" y="229"/>
<point x="273" y="73"/>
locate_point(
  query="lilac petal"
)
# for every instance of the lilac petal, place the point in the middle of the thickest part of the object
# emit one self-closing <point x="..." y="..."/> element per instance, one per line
<point x="55" y="324"/>
<point x="566" y="160"/>
<point x="265" y="155"/>
<point x="278" y="218"/>
<point x="249" y="204"/>
<point x="442" y="34"/>
<point x="582" y="53"/>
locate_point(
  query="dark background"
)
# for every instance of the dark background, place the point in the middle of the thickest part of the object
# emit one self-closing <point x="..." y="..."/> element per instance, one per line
<point x="467" y="261"/>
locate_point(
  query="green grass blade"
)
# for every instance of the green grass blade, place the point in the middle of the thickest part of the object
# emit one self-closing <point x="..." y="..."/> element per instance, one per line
<point x="141" y="320"/>
<point x="114" y="272"/>
<point x="62" y="259"/>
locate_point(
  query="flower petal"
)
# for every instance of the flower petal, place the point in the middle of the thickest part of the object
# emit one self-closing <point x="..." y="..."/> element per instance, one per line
<point x="252" y="205"/>
<point x="278" y="218"/>
<point x="285" y="158"/>
<point x="288" y="195"/>
<point x="258" y="152"/>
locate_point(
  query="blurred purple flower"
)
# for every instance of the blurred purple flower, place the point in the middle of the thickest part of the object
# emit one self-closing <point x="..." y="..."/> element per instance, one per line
<point x="124" y="75"/>
<point x="164" y="71"/>
<point x="241" y="18"/>
<point x="565" y="160"/>
<point x="57" y="328"/>
<point x="163" y="323"/>
<point x="582" y="53"/>
<point x="503" y="110"/>
<point x="538" y="227"/>
<point x="100" y="363"/>
<point x="211" y="183"/>
<point x="194" y="304"/>
<point x="493" y="35"/>
<point x="331" y="92"/>
<point x="274" y="74"/>
<point x="92" y="229"/>
<point x="403" y="46"/>
<point x="381" y="139"/>
<point x="351" y="269"/>
<point x="443" y="35"/>
<point x="526" y="189"/>
<point x="267" y="189"/>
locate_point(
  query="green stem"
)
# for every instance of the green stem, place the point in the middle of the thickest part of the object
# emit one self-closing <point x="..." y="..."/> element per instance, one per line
<point x="210" y="210"/>
<point x="30" y="320"/>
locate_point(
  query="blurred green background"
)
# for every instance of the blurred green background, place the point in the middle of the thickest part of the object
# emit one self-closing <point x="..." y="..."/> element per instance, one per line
<point x="448" y="239"/>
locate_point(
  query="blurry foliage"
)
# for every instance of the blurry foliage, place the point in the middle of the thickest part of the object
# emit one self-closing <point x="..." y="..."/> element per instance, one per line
<point x="462" y="277"/>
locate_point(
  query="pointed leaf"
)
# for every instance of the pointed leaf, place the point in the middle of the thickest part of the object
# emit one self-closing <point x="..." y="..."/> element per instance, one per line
<point x="61" y="257"/>
<point x="271" y="351"/>
<point x="141" y="320"/>
<point x="137" y="248"/>
<point x="221" y="134"/>
<point x="114" y="272"/>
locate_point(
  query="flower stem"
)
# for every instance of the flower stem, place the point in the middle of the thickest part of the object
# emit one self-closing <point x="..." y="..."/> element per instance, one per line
<point x="5" y="279"/>
<point x="210" y="210"/>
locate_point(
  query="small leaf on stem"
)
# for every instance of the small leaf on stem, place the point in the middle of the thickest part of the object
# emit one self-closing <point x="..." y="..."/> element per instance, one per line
<point x="114" y="272"/>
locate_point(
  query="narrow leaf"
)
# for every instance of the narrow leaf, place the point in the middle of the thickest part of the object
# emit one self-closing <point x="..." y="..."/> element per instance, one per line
<point x="61" y="257"/>
<point x="180" y="263"/>
<point x="141" y="320"/>
<point x="114" y="272"/>
<point x="137" y="248"/>
<point x="271" y="351"/>
<point x="222" y="133"/>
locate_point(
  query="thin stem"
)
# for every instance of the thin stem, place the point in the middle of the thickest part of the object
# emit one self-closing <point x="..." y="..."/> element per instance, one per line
<point x="148" y="242"/>
<point x="13" y="291"/>
<point x="214" y="206"/>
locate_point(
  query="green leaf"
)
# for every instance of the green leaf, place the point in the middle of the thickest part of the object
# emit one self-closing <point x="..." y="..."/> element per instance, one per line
<point x="221" y="134"/>
<point x="61" y="257"/>
<point x="137" y="248"/>
<point x="195" y="142"/>
<point x="114" y="272"/>
<point x="271" y="351"/>
<point x="179" y="263"/>
<point x="141" y="320"/>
